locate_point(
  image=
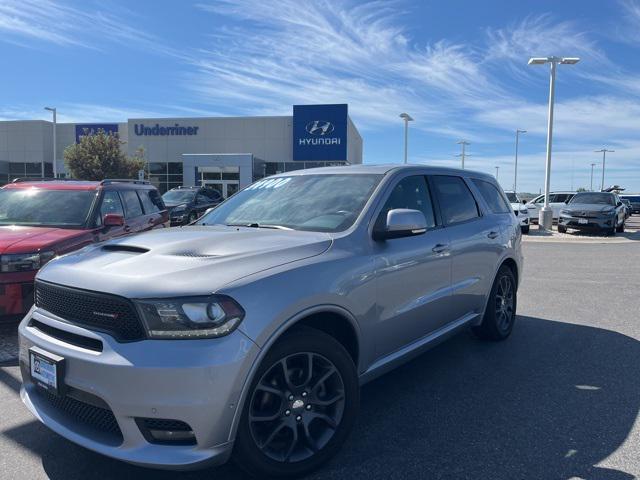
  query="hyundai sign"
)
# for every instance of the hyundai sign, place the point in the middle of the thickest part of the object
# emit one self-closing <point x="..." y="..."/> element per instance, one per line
<point x="92" y="129"/>
<point x="320" y="132"/>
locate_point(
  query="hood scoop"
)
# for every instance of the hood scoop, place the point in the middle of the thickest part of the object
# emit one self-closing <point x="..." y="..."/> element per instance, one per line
<point x="124" y="248"/>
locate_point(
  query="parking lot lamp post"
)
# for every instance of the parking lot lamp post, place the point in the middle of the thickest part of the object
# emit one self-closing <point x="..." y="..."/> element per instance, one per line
<point x="497" y="172"/>
<point x="55" y="146"/>
<point x="462" y="155"/>
<point x="592" y="165"/>
<point x="604" y="158"/>
<point x="407" y="118"/>
<point x="515" y="170"/>
<point x="545" y="219"/>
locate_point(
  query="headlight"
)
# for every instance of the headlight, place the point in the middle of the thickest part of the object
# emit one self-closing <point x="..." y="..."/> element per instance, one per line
<point x="190" y="317"/>
<point x="523" y="210"/>
<point x="24" y="262"/>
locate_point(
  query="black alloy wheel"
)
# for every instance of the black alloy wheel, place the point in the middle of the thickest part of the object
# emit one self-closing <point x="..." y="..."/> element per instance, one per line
<point x="300" y="408"/>
<point x="500" y="314"/>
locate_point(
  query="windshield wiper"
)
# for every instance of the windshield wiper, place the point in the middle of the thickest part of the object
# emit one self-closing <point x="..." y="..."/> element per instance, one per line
<point x="258" y="225"/>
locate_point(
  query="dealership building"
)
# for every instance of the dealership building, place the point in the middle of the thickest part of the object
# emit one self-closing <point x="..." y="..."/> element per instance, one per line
<point x="226" y="153"/>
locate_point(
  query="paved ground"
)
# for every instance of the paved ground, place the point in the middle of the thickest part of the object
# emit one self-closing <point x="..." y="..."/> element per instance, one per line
<point x="558" y="400"/>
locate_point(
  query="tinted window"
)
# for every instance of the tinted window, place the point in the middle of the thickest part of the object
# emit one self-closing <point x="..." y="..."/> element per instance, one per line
<point x="131" y="202"/>
<point x="456" y="201"/>
<point x="512" y="197"/>
<point x="492" y="196"/>
<point x="111" y="204"/>
<point x="411" y="192"/>
<point x="541" y="199"/>
<point x="213" y="195"/>
<point x="155" y="197"/>
<point x="147" y="203"/>
<point x="561" y="197"/>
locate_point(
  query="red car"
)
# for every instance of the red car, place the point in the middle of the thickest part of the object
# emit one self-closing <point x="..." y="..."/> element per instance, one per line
<point x="41" y="219"/>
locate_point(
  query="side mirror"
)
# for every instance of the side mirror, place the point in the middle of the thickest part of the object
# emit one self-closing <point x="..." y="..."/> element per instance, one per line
<point x="401" y="222"/>
<point x="619" y="204"/>
<point x="113" y="220"/>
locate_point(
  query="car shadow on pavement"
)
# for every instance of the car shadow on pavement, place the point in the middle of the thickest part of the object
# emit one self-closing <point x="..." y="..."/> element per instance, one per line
<point x="551" y="402"/>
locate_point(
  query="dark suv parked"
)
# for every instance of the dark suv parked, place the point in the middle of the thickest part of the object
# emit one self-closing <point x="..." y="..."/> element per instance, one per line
<point x="43" y="218"/>
<point x="187" y="204"/>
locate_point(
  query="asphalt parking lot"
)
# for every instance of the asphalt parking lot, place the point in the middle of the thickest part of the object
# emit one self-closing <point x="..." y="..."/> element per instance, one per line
<point x="558" y="400"/>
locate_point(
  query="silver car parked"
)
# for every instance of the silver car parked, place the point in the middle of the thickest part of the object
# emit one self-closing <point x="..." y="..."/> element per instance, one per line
<point x="248" y="334"/>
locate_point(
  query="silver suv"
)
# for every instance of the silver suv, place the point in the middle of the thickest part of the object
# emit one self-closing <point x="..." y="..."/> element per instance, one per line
<point x="249" y="333"/>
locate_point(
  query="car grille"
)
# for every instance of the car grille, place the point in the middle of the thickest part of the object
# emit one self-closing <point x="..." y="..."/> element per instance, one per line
<point x="96" y="311"/>
<point x="98" y="418"/>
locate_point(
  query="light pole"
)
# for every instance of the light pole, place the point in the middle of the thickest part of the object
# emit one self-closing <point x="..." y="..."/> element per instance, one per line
<point x="604" y="158"/>
<point x="462" y="155"/>
<point x="407" y="118"/>
<point x="515" y="174"/>
<point x="497" y="172"/>
<point x="55" y="146"/>
<point x="592" y="165"/>
<point x="545" y="219"/>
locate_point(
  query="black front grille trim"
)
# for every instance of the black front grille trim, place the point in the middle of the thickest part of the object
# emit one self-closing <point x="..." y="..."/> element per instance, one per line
<point x="95" y="417"/>
<point x="111" y="314"/>
<point x="68" y="337"/>
<point x="146" y="425"/>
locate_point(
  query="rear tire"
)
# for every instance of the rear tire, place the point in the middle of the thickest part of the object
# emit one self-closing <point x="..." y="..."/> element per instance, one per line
<point x="301" y="406"/>
<point x="525" y="229"/>
<point x="562" y="229"/>
<point x="500" y="314"/>
<point x="620" y="228"/>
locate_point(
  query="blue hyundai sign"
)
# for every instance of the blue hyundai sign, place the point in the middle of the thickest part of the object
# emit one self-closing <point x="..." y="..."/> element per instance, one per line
<point x="320" y="132"/>
<point x="92" y="129"/>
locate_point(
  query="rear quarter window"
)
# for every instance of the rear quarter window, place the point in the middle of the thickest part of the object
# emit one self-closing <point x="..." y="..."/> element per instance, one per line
<point x="149" y="205"/>
<point x="457" y="203"/>
<point x="492" y="196"/>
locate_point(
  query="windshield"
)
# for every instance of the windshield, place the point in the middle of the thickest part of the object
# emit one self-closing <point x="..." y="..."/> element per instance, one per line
<point x="323" y="203"/>
<point x="512" y="197"/>
<point x="593" y="198"/>
<point x="634" y="198"/>
<point x="35" y="207"/>
<point x="178" y="196"/>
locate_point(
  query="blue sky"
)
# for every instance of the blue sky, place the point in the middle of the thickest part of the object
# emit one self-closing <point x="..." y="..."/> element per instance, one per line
<point x="458" y="67"/>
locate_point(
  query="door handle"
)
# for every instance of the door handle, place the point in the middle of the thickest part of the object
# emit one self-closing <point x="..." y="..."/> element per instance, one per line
<point x="127" y="228"/>
<point x="492" y="235"/>
<point x="151" y="220"/>
<point x="440" y="248"/>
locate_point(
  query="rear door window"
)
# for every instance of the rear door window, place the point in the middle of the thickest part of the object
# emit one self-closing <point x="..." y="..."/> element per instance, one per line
<point x="457" y="203"/>
<point x="493" y="197"/>
<point x="131" y="202"/>
<point x="147" y="203"/>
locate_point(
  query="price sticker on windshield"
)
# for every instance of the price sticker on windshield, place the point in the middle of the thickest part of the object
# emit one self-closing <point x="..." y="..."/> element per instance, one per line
<point x="269" y="183"/>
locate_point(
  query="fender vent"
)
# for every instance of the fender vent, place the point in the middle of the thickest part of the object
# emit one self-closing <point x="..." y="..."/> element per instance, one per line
<point x="124" y="248"/>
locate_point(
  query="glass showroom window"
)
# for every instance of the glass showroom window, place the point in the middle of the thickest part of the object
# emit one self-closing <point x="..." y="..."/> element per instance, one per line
<point x="165" y="175"/>
<point x="29" y="169"/>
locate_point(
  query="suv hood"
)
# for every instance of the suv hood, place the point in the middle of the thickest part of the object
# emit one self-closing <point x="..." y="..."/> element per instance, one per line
<point x="17" y="239"/>
<point x="183" y="261"/>
<point x="589" y="207"/>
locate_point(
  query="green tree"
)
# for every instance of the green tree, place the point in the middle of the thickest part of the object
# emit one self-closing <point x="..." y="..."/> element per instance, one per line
<point x="100" y="156"/>
<point x="581" y="189"/>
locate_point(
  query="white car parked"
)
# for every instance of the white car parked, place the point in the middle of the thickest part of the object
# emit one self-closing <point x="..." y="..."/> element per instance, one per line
<point x="557" y="201"/>
<point x="520" y="210"/>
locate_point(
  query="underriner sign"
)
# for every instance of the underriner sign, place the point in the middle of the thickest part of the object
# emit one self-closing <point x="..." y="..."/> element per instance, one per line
<point x="160" y="131"/>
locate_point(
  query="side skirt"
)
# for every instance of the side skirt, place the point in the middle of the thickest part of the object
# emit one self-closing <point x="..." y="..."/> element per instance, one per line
<point x="412" y="350"/>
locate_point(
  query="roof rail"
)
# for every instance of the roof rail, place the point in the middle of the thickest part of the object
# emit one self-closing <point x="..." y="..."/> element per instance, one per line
<point x="108" y="181"/>
<point x="42" y="179"/>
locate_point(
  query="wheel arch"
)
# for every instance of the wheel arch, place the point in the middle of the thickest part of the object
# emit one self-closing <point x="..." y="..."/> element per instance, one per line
<point x="333" y="320"/>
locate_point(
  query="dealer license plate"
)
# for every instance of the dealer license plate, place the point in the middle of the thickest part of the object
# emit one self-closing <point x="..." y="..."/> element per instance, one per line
<point x="583" y="221"/>
<point x="46" y="369"/>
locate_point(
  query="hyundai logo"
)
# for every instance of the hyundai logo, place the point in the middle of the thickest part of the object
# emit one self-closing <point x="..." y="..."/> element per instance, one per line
<point x="319" y="127"/>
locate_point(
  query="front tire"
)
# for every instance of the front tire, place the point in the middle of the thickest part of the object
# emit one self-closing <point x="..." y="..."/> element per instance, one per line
<point x="301" y="406"/>
<point x="500" y="314"/>
<point x="620" y="228"/>
<point x="562" y="229"/>
<point x="525" y="229"/>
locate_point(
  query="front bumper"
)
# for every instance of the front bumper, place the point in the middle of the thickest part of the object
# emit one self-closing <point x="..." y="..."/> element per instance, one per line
<point x="593" y="223"/>
<point x="198" y="382"/>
